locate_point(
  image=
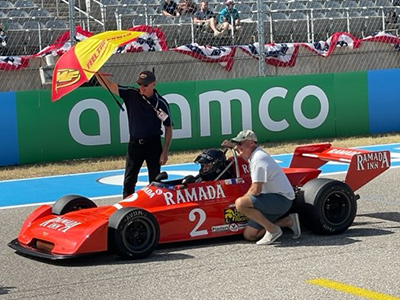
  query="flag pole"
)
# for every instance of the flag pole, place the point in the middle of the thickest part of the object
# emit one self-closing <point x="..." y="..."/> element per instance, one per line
<point x="71" y="7"/>
<point x="261" y="42"/>
<point x="112" y="94"/>
<point x="105" y="84"/>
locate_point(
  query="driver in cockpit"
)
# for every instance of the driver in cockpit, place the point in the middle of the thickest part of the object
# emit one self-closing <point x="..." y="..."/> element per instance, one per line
<point x="212" y="163"/>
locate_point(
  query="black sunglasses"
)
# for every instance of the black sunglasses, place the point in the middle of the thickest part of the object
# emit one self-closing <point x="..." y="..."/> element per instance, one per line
<point x="145" y="85"/>
<point x="240" y="143"/>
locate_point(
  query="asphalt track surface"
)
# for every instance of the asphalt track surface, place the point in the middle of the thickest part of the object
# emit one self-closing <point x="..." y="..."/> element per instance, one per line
<point x="363" y="263"/>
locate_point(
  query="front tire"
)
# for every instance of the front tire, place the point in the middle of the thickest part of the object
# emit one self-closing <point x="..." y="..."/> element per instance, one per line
<point x="70" y="203"/>
<point x="326" y="206"/>
<point x="133" y="233"/>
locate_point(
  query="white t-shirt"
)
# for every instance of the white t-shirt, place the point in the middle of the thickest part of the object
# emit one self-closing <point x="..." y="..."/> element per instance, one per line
<point x="263" y="168"/>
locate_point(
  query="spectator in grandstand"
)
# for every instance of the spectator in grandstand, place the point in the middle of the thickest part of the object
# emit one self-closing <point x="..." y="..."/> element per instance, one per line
<point x="146" y="110"/>
<point x="269" y="197"/>
<point x="205" y="18"/>
<point x="227" y="17"/>
<point x="391" y="17"/>
<point x="169" y="8"/>
<point x="3" y="42"/>
<point x="187" y="8"/>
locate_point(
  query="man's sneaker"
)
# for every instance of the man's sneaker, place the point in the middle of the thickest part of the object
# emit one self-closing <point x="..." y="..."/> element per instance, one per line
<point x="269" y="237"/>
<point x="295" y="225"/>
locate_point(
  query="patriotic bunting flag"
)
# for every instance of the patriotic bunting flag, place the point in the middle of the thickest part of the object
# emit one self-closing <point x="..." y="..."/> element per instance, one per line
<point x="383" y="37"/>
<point x="8" y="63"/>
<point x="279" y="55"/>
<point x="338" y="39"/>
<point x="63" y="44"/>
<point x="210" y="54"/>
<point x="153" y="39"/>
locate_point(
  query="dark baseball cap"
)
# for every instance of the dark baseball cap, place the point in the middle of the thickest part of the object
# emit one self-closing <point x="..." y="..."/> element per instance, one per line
<point x="146" y="77"/>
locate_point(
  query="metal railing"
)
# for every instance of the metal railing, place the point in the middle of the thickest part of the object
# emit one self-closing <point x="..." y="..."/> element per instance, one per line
<point x="86" y="14"/>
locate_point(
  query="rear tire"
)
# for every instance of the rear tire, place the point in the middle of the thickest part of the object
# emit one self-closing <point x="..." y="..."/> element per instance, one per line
<point x="326" y="206"/>
<point x="133" y="233"/>
<point x="70" y="203"/>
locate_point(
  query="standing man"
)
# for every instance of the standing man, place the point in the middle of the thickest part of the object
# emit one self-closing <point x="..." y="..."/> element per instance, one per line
<point x="269" y="197"/>
<point x="146" y="110"/>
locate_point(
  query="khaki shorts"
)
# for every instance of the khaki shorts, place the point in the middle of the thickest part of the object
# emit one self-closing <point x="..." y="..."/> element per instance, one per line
<point x="206" y="27"/>
<point x="206" y="24"/>
<point x="220" y="26"/>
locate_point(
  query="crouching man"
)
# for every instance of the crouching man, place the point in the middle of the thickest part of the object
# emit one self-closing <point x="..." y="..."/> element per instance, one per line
<point x="269" y="197"/>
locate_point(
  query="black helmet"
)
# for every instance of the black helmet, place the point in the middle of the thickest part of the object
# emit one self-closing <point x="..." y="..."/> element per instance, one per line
<point x="214" y="156"/>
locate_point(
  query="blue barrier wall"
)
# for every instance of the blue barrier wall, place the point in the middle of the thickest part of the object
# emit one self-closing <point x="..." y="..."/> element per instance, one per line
<point x="8" y="130"/>
<point x="384" y="100"/>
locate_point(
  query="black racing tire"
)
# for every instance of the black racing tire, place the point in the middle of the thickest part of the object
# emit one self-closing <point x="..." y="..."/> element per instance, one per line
<point x="326" y="206"/>
<point x="70" y="203"/>
<point x="133" y="233"/>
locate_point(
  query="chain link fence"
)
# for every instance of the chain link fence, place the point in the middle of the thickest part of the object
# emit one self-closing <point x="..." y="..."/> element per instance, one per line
<point x="31" y="25"/>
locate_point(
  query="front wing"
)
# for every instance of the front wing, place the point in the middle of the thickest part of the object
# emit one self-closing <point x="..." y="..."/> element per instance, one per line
<point x="31" y="251"/>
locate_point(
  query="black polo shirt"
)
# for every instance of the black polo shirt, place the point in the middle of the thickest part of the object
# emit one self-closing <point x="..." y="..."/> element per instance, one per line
<point x="142" y="119"/>
<point x="170" y="7"/>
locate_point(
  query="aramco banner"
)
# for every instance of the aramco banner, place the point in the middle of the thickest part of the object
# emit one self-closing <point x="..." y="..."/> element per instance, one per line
<point x="88" y="123"/>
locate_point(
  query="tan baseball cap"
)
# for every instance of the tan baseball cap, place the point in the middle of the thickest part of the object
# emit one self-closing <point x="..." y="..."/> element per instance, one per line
<point x="245" y="135"/>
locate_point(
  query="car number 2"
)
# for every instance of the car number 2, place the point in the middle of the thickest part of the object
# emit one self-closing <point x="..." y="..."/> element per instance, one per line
<point x="201" y="219"/>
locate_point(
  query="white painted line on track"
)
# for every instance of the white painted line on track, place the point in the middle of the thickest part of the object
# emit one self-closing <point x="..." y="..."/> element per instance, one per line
<point x="51" y="202"/>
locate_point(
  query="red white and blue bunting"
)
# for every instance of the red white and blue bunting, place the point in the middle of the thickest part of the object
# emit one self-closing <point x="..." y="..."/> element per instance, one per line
<point x="279" y="55"/>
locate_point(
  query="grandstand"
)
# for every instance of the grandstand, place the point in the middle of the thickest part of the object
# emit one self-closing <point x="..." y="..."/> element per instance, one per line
<point x="33" y="24"/>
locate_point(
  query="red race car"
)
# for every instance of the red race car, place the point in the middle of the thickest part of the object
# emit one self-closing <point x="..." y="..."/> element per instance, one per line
<point x="182" y="210"/>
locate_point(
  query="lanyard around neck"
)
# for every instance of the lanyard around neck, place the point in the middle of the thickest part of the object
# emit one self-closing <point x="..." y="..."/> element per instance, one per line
<point x="147" y="100"/>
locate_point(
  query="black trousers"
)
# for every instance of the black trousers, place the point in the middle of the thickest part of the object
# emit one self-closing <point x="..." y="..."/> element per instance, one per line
<point x="148" y="150"/>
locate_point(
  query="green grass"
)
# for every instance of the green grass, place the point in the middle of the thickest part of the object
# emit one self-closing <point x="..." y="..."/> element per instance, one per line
<point x="113" y="163"/>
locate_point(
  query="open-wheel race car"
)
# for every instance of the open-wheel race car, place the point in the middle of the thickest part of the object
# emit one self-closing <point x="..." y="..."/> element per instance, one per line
<point x="182" y="209"/>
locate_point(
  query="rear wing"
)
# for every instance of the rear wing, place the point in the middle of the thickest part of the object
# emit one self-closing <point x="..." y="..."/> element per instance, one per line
<point x="363" y="165"/>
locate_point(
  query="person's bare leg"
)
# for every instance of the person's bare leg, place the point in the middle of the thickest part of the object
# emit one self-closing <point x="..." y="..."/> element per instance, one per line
<point x="225" y="27"/>
<point x="284" y="222"/>
<point x="292" y="222"/>
<point x="245" y="206"/>
<point x="253" y="234"/>
<point x="272" y="232"/>
<point x="211" y="22"/>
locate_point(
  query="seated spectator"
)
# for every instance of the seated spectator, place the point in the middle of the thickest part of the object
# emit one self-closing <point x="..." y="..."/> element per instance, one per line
<point x="169" y="8"/>
<point x="212" y="162"/>
<point x="3" y="42"/>
<point x="186" y="8"/>
<point x="391" y="17"/>
<point x="228" y="16"/>
<point x="205" y="18"/>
